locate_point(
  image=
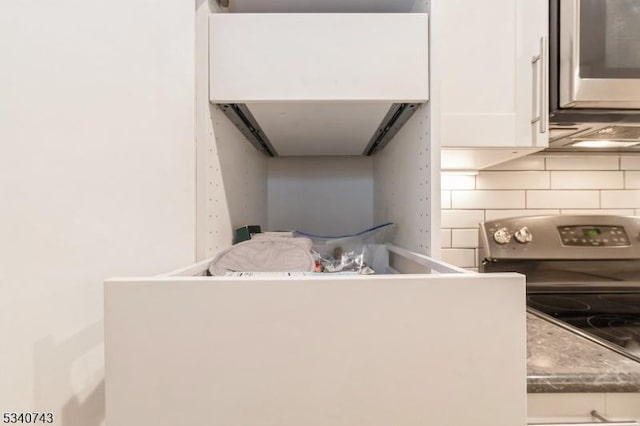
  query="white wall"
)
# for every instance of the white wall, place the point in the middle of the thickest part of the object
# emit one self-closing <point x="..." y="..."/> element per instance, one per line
<point x="535" y="185"/>
<point x="96" y="179"/>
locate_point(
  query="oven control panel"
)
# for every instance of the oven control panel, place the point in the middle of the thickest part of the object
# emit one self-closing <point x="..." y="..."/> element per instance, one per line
<point x="566" y="237"/>
<point x="593" y="236"/>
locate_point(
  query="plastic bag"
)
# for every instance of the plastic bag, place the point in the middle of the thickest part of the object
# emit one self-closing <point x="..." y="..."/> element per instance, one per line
<point x="363" y="252"/>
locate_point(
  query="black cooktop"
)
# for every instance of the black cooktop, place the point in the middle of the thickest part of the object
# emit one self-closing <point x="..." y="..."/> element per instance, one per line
<point x="583" y="272"/>
<point x="614" y="317"/>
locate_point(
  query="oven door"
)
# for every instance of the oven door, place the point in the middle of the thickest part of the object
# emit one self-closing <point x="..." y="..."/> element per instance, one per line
<point x="599" y="54"/>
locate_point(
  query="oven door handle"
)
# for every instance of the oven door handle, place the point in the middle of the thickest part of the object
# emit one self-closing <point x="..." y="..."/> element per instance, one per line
<point x="601" y="421"/>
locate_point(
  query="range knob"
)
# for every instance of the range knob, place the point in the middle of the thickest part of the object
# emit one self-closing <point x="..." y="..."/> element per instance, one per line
<point x="523" y="235"/>
<point x="502" y="236"/>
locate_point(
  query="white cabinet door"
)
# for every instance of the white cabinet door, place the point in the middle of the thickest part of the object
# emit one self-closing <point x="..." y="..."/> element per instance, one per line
<point x="548" y="408"/>
<point x="532" y="74"/>
<point x="493" y="58"/>
<point x="622" y="406"/>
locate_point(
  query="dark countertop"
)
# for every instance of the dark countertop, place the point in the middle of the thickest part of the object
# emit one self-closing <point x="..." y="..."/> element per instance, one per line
<point x="561" y="361"/>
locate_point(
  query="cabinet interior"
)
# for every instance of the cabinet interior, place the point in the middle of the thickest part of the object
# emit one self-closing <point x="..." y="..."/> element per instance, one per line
<point x="326" y="195"/>
<point x="315" y="157"/>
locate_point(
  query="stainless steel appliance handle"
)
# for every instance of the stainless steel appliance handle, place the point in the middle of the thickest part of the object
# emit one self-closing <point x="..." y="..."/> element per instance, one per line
<point x="544" y="92"/>
<point x="601" y="421"/>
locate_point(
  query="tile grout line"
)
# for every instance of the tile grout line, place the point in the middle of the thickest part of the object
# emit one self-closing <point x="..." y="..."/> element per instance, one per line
<point x="600" y="199"/>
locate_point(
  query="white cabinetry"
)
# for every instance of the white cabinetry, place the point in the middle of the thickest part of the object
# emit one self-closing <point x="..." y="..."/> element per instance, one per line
<point x="336" y="350"/>
<point x="306" y="350"/>
<point x="576" y="407"/>
<point x="492" y="79"/>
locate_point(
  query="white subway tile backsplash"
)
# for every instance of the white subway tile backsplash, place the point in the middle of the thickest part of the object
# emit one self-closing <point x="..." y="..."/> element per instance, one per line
<point x="454" y="181"/>
<point x="563" y="199"/>
<point x="446" y="238"/>
<point x="482" y="199"/>
<point x="631" y="162"/>
<point x="464" y="238"/>
<point x="535" y="186"/>
<point x="531" y="162"/>
<point x="632" y="179"/>
<point x="583" y="162"/>
<point x="513" y="180"/>
<point x="445" y="199"/>
<point x="587" y="180"/>
<point x="461" y="218"/>
<point x="621" y="199"/>
<point x="618" y="212"/>
<point x="464" y="258"/>
<point x="501" y="214"/>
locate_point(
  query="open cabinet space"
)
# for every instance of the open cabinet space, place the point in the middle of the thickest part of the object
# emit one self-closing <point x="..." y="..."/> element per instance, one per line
<point x="307" y="131"/>
<point x="325" y="195"/>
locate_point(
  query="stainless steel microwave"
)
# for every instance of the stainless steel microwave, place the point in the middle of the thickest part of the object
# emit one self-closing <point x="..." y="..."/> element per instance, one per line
<point x="594" y="74"/>
<point x="599" y="54"/>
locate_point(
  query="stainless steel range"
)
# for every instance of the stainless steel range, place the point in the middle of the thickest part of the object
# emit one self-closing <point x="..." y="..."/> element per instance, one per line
<point x="583" y="272"/>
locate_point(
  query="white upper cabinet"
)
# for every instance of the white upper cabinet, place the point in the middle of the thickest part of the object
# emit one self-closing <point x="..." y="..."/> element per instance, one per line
<point x="493" y="89"/>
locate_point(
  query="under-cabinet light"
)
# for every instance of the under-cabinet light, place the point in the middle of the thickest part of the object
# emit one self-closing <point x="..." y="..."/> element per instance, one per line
<point x="460" y="172"/>
<point x="604" y="144"/>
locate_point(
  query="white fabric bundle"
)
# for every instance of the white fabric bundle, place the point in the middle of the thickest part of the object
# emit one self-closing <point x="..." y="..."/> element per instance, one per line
<point x="264" y="254"/>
